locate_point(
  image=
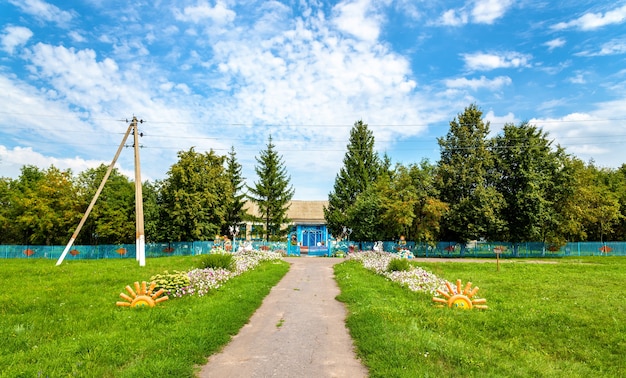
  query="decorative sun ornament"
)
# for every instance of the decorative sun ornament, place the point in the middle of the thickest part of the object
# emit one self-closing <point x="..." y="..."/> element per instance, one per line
<point x="140" y="297"/>
<point x="461" y="298"/>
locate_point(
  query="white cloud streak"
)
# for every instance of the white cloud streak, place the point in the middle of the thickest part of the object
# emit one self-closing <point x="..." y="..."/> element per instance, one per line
<point x="592" y="21"/>
<point x="481" y="83"/>
<point x="476" y="11"/>
<point x="44" y="11"/>
<point x="491" y="61"/>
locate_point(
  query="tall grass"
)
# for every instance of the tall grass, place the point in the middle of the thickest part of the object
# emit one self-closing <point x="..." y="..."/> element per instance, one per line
<point x="62" y="321"/>
<point x="544" y="320"/>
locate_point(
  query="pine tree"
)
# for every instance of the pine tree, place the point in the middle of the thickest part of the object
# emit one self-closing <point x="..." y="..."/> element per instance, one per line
<point x="234" y="211"/>
<point x="466" y="179"/>
<point x="272" y="193"/>
<point x="361" y="167"/>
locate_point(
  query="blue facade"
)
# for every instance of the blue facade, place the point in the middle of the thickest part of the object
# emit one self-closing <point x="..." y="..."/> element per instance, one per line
<point x="309" y="239"/>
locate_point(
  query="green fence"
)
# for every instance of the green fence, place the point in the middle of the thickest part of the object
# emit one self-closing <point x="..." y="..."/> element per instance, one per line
<point x="440" y="249"/>
<point x="123" y="251"/>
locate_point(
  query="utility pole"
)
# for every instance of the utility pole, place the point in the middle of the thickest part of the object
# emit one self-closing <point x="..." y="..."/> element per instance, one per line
<point x="141" y="238"/>
<point x="94" y="199"/>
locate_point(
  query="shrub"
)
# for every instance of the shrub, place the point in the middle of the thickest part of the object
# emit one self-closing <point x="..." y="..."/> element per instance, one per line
<point x="170" y="282"/>
<point x="399" y="265"/>
<point x="217" y="261"/>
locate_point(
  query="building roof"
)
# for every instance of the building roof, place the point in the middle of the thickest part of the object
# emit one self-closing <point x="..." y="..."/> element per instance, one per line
<point x="300" y="212"/>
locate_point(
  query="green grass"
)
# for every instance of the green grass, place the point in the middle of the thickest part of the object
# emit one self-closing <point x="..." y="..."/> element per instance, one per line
<point x="62" y="321"/>
<point x="544" y="320"/>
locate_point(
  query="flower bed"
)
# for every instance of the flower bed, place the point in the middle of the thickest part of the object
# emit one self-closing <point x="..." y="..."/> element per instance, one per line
<point x="415" y="279"/>
<point x="204" y="280"/>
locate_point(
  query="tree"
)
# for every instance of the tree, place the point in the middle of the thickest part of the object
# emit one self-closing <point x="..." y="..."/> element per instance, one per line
<point x="594" y="203"/>
<point x="112" y="220"/>
<point x="45" y="206"/>
<point x="234" y="212"/>
<point x="151" y="212"/>
<point x="428" y="209"/>
<point x="465" y="179"/>
<point x="194" y="197"/>
<point x="7" y="208"/>
<point x="361" y="167"/>
<point x="527" y="165"/>
<point x="272" y="193"/>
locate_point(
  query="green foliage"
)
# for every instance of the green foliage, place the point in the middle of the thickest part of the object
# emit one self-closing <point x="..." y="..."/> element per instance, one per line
<point x="235" y="213"/>
<point x="43" y="206"/>
<point x="217" y="261"/>
<point x="170" y="282"/>
<point x="272" y="192"/>
<point x="112" y="220"/>
<point x="195" y="196"/>
<point x="528" y="167"/>
<point x="466" y="180"/>
<point x="361" y="168"/>
<point x="61" y="321"/>
<point x="399" y="265"/>
<point x="543" y="320"/>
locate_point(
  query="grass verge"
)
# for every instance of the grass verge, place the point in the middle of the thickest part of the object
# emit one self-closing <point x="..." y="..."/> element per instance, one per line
<point x="62" y="321"/>
<point x="544" y="320"/>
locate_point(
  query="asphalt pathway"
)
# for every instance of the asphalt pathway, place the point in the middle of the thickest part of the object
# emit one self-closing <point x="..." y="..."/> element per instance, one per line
<point x="299" y="331"/>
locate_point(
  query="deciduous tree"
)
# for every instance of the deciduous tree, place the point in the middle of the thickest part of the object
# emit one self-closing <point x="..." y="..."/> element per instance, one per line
<point x="195" y="196"/>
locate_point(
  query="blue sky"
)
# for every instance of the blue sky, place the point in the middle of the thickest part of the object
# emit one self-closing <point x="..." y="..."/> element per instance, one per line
<point x="216" y="74"/>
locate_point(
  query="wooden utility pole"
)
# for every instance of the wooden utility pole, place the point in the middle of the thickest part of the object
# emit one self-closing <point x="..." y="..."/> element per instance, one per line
<point x="141" y="238"/>
<point x="94" y="199"/>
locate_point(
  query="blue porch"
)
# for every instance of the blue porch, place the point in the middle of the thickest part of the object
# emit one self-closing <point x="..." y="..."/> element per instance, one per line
<point x="308" y="240"/>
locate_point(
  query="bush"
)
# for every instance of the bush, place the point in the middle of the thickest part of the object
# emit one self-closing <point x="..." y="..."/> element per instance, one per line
<point x="217" y="261"/>
<point x="399" y="265"/>
<point x="170" y="282"/>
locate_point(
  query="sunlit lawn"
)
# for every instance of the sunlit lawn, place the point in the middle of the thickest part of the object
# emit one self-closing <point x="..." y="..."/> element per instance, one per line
<point x="544" y="320"/>
<point x="62" y="321"/>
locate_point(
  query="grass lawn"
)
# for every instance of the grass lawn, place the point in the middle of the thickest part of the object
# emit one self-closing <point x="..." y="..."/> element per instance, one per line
<point x="63" y="321"/>
<point x="544" y="320"/>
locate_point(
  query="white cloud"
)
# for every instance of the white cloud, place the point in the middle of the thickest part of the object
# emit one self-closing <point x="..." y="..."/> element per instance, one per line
<point x="482" y="83"/>
<point x="591" y="21"/>
<point x="13" y="37"/>
<point x="453" y="17"/>
<point x="44" y="11"/>
<point x="476" y="11"/>
<point x="357" y="18"/>
<point x="553" y="44"/>
<point x="490" y="61"/>
<point x="220" y="14"/>
<point x="13" y="159"/>
<point x="613" y="47"/>
<point x="76" y="36"/>
<point x="488" y="11"/>
<point x="591" y="135"/>
<point x="577" y="79"/>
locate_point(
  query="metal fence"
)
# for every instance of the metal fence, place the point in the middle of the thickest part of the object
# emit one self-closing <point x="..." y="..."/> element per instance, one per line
<point x="124" y="251"/>
<point x="440" y="249"/>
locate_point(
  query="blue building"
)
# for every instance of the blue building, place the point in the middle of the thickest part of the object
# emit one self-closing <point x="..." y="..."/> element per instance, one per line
<point x="308" y="235"/>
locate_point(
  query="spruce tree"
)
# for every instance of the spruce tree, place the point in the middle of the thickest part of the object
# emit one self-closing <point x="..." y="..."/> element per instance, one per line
<point x="272" y="193"/>
<point x="234" y="211"/>
<point x="466" y="179"/>
<point x="361" y="167"/>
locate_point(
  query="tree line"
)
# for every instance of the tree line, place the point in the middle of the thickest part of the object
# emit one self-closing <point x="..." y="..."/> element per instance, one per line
<point x="202" y="195"/>
<point x="514" y="187"/>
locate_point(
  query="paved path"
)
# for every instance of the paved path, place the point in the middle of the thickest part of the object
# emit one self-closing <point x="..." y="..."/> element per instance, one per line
<point x="298" y="331"/>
